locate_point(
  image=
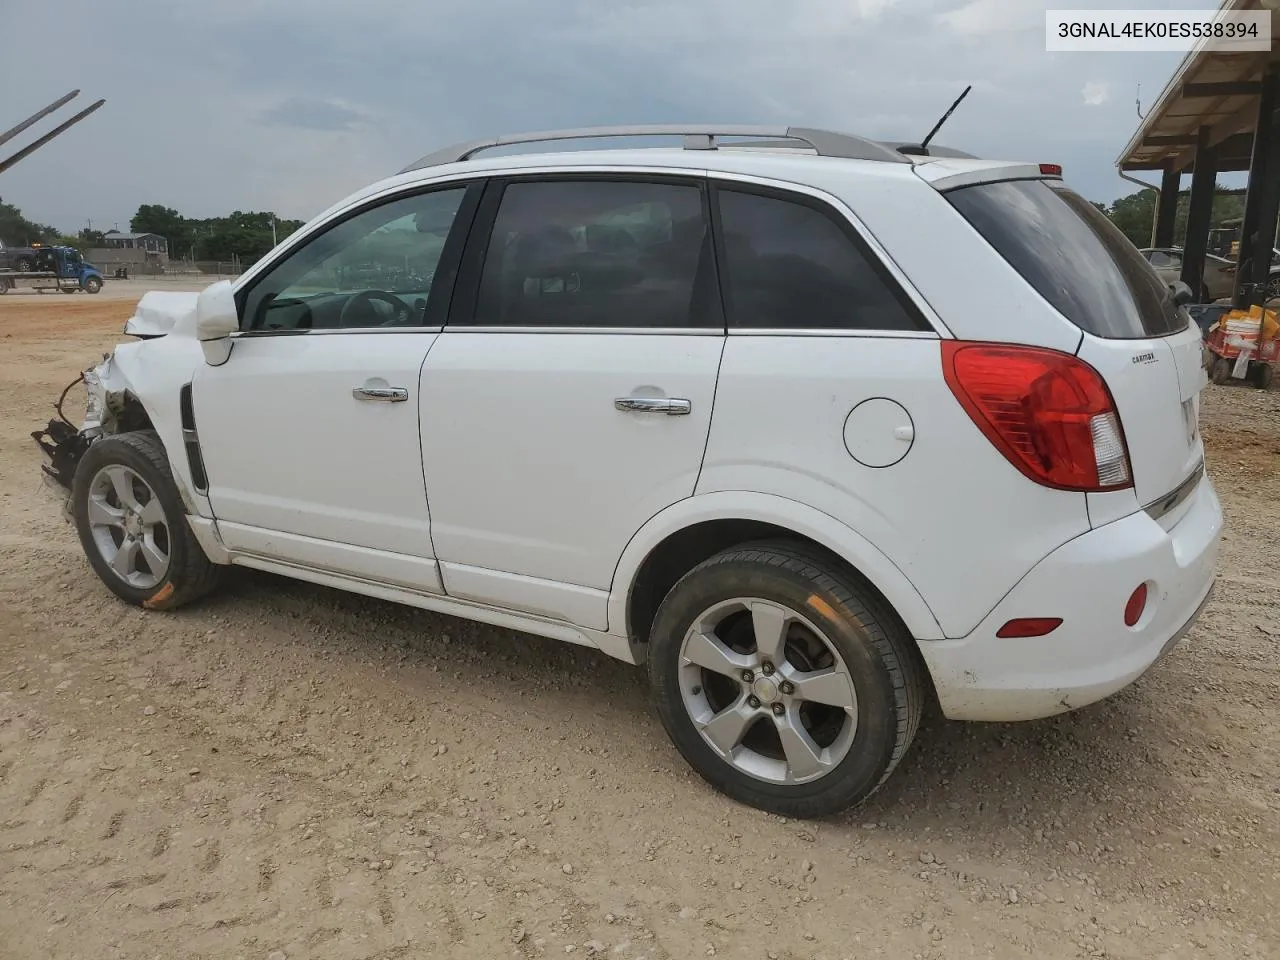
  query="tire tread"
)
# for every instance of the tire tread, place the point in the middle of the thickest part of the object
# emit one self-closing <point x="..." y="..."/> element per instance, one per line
<point x="889" y="638"/>
<point x="197" y="576"/>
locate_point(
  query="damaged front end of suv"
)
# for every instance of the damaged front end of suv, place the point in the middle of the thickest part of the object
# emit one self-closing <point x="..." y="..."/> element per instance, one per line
<point x="109" y="408"/>
<point x="118" y="387"/>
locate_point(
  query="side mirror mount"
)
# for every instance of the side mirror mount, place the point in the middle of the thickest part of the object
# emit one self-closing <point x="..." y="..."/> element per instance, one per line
<point x="1182" y="294"/>
<point x="216" y="319"/>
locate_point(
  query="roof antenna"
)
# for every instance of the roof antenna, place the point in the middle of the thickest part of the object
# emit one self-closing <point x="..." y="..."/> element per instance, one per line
<point x="923" y="149"/>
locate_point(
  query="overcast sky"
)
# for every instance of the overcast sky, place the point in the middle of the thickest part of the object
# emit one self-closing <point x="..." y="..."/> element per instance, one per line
<point x="291" y="104"/>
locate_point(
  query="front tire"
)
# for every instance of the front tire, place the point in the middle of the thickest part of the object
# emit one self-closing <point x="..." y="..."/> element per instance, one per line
<point x="133" y="525"/>
<point x="92" y="285"/>
<point x="783" y="681"/>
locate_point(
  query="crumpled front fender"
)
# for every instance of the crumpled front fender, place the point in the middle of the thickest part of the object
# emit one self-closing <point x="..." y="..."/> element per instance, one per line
<point x="136" y="387"/>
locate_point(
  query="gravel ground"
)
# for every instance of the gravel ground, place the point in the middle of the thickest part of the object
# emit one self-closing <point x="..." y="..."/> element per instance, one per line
<point x="285" y="771"/>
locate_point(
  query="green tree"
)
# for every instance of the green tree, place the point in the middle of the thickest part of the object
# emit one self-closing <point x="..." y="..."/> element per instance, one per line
<point x="1133" y="215"/>
<point x="17" y="231"/>
<point x="243" y="235"/>
<point x="165" y="222"/>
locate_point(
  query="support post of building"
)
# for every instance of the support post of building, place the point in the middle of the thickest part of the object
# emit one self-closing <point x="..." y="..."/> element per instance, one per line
<point x="1257" y="232"/>
<point x="1204" y="180"/>
<point x="1167" y="206"/>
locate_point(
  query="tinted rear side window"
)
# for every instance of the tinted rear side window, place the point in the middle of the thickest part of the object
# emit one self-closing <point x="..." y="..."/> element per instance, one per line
<point x="790" y="265"/>
<point x="1074" y="256"/>
<point x="599" y="253"/>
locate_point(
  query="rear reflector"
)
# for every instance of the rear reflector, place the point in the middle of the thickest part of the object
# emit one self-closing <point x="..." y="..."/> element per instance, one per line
<point x="1029" y="627"/>
<point x="1136" y="605"/>
<point x="1049" y="413"/>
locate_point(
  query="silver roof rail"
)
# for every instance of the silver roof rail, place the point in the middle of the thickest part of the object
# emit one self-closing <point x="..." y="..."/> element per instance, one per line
<point x="827" y="143"/>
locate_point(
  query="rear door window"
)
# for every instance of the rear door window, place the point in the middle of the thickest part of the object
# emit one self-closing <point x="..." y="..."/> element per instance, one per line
<point x="1075" y="257"/>
<point x="598" y="253"/>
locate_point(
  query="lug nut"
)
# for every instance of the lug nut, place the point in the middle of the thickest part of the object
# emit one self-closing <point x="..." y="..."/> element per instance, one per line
<point x="766" y="668"/>
<point x="753" y="702"/>
<point x="787" y="687"/>
<point x="779" y="709"/>
<point x="747" y="676"/>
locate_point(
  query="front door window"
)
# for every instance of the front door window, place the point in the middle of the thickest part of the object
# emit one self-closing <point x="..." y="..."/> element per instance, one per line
<point x="375" y="269"/>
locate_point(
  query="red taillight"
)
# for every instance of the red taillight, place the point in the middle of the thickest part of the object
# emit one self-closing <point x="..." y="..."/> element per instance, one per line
<point x="1049" y="413"/>
<point x="1029" y="627"/>
<point x="1137" y="603"/>
<point x="1051" y="169"/>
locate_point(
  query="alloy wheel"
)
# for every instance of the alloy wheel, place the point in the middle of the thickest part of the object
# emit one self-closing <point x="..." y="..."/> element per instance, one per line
<point x="129" y="526"/>
<point x="768" y="691"/>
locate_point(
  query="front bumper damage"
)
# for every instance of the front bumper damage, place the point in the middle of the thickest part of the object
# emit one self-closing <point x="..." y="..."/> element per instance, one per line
<point x="63" y="443"/>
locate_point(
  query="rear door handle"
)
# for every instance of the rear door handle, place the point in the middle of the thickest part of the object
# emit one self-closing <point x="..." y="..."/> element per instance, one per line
<point x="384" y="394"/>
<point x="671" y="406"/>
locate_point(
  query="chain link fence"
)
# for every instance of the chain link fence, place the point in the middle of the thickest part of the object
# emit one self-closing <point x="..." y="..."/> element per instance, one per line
<point x="204" y="270"/>
<point x="213" y="269"/>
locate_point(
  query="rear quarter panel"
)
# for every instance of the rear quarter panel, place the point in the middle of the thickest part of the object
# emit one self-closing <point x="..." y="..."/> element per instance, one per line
<point x="961" y="523"/>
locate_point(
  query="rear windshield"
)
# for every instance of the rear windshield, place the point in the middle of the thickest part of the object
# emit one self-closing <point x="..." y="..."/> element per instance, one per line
<point x="1074" y="256"/>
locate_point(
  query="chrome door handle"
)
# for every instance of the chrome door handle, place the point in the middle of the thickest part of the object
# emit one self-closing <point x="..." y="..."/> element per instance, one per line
<point x="385" y="394"/>
<point x="671" y="406"/>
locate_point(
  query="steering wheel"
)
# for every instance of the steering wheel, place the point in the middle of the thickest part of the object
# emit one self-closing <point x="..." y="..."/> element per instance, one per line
<point x="364" y="300"/>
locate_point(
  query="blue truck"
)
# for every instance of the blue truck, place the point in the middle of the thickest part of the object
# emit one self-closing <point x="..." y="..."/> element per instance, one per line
<point x="41" y="267"/>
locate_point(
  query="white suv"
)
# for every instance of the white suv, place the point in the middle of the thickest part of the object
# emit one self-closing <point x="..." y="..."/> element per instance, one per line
<point x="819" y="428"/>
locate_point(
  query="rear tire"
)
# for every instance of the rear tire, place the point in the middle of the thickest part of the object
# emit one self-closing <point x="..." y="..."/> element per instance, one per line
<point x="834" y="692"/>
<point x="1221" y="371"/>
<point x="133" y="525"/>
<point x="1263" y="375"/>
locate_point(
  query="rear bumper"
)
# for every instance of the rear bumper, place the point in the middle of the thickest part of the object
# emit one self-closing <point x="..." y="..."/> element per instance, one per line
<point x="1087" y="583"/>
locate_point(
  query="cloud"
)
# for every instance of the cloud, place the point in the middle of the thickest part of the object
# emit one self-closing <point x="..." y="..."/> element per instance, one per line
<point x="1096" y="93"/>
<point x="311" y="114"/>
<point x="290" y="104"/>
<point x="985" y="17"/>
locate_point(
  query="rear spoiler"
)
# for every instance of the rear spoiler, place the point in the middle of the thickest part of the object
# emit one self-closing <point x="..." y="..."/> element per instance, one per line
<point x="948" y="174"/>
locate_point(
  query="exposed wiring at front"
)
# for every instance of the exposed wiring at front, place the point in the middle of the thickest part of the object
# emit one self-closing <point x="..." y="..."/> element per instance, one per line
<point x="63" y="398"/>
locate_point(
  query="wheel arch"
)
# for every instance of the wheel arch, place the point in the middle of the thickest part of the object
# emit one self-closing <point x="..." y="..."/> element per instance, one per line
<point x="688" y="532"/>
<point x="150" y="375"/>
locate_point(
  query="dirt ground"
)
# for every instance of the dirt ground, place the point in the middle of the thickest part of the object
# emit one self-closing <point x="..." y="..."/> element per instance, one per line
<point x="289" y="771"/>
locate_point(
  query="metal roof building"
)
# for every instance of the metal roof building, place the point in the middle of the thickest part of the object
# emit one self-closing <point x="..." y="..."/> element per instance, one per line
<point x="1217" y="114"/>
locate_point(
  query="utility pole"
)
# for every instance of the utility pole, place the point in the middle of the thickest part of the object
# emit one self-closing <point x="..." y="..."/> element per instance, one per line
<point x="273" y="230"/>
